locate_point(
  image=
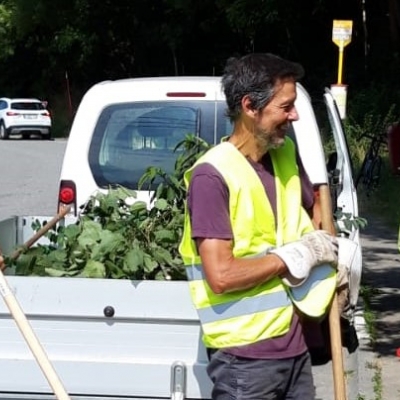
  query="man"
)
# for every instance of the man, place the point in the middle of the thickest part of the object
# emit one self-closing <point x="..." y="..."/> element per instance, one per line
<point x="248" y="239"/>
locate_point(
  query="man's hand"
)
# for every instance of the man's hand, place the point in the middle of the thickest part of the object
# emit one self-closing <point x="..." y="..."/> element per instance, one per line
<point x="314" y="248"/>
<point x="2" y="265"/>
<point x="323" y="245"/>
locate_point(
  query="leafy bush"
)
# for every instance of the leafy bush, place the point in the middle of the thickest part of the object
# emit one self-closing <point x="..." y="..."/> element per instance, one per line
<point x="345" y="222"/>
<point x="371" y="123"/>
<point x="118" y="237"/>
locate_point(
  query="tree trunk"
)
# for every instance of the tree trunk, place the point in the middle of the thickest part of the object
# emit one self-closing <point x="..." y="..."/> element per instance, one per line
<point x="394" y="23"/>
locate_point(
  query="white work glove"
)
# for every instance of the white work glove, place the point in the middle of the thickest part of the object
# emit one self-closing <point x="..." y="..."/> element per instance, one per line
<point x="347" y="252"/>
<point x="314" y="248"/>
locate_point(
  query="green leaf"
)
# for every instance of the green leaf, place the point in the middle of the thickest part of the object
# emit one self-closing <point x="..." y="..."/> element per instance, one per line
<point x="58" y="256"/>
<point x="165" y="235"/>
<point x="114" y="271"/>
<point x="161" y="204"/>
<point x="94" y="269"/>
<point x="74" y="268"/>
<point x="138" y="206"/>
<point x="149" y="263"/>
<point x="124" y="193"/>
<point x="110" y="242"/>
<point x="171" y="194"/>
<point x="90" y="234"/>
<point x="148" y="177"/>
<point x="133" y="260"/>
<point x="160" y="191"/>
<point x="174" y="181"/>
<point x="162" y="256"/>
<point x="160" y="276"/>
<point x="24" y="264"/>
<point x="58" y="273"/>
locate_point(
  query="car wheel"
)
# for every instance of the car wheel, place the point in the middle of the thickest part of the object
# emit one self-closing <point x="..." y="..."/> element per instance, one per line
<point x="47" y="137"/>
<point x="3" y="132"/>
<point x="26" y="136"/>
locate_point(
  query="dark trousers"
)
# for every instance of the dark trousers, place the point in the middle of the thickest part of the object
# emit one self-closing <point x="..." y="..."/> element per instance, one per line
<point x="237" y="378"/>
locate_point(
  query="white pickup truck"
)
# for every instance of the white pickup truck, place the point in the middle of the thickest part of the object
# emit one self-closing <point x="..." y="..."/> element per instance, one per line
<point x="136" y="340"/>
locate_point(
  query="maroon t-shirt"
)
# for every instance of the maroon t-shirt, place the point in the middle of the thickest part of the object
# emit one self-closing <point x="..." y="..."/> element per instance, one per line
<point x="208" y="204"/>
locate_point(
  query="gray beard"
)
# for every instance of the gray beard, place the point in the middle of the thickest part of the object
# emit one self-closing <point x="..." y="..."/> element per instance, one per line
<point x="264" y="144"/>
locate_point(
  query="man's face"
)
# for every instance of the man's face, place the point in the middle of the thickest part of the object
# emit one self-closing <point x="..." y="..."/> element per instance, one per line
<point x="271" y="124"/>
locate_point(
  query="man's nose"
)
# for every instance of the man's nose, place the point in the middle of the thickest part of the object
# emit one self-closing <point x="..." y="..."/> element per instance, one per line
<point x="293" y="114"/>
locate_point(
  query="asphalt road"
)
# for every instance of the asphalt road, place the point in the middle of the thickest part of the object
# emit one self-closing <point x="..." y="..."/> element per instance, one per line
<point x="29" y="174"/>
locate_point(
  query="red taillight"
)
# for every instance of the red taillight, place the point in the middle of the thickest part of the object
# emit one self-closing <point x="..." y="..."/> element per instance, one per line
<point x="12" y="113"/>
<point x="45" y="114"/>
<point x="67" y="195"/>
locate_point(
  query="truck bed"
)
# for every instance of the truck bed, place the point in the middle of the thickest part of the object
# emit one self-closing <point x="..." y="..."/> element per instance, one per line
<point x="111" y="339"/>
<point x="105" y="338"/>
<point x="131" y="353"/>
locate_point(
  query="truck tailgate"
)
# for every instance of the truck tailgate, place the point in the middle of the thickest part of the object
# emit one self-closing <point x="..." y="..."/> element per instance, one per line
<point x="106" y="338"/>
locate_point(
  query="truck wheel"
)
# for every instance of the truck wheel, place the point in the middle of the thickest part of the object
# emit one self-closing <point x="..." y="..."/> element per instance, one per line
<point x="3" y="132"/>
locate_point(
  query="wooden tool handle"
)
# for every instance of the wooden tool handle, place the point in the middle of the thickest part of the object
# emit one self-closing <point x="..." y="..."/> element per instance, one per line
<point x="334" y="318"/>
<point x="45" y="228"/>
<point x="23" y="323"/>
<point x="31" y="339"/>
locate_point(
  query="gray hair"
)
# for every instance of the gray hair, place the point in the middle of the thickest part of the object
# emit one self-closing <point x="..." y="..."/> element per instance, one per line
<point x="255" y="75"/>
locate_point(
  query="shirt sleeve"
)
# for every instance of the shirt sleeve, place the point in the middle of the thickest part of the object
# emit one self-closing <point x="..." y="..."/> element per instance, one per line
<point x="208" y="204"/>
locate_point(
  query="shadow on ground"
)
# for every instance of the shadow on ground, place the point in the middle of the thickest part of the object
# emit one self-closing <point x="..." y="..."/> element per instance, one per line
<point x="381" y="272"/>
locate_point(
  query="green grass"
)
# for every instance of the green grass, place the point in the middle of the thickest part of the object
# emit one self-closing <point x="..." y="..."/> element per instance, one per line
<point x="376" y="379"/>
<point x="377" y="382"/>
<point x="367" y="293"/>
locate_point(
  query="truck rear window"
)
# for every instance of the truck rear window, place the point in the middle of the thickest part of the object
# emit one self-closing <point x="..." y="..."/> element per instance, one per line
<point x="130" y="137"/>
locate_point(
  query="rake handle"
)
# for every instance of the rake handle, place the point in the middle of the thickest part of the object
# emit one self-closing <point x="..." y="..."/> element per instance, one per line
<point x="44" y="229"/>
<point x="334" y="318"/>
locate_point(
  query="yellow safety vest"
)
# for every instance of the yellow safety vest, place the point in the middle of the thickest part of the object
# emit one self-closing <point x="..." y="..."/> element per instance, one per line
<point x="264" y="311"/>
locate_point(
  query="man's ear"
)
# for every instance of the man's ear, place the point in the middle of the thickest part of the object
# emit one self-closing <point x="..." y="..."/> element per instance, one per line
<point x="247" y="107"/>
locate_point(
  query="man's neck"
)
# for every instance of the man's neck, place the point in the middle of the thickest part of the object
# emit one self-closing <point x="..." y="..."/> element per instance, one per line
<point x="245" y="141"/>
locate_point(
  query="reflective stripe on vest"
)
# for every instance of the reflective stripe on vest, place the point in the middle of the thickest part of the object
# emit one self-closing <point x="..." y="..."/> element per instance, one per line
<point x="236" y="308"/>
